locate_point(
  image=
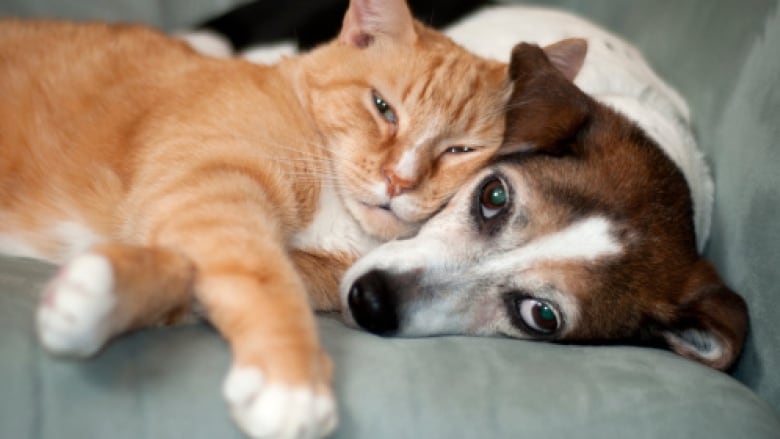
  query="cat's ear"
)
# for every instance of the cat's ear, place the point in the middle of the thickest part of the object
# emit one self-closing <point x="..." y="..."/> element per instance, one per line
<point x="710" y="320"/>
<point x="567" y="56"/>
<point x="367" y="20"/>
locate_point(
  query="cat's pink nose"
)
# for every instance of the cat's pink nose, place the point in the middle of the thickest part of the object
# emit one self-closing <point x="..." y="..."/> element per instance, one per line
<point x="396" y="185"/>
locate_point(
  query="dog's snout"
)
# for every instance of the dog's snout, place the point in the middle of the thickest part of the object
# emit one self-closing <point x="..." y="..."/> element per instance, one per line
<point x="373" y="303"/>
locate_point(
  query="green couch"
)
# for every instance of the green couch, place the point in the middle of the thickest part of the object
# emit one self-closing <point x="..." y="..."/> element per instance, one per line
<point x="165" y="383"/>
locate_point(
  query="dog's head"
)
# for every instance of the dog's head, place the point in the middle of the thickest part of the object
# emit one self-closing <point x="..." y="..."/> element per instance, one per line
<point x="582" y="234"/>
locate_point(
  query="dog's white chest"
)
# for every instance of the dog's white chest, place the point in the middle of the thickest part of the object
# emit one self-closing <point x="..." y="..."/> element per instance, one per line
<point x="333" y="229"/>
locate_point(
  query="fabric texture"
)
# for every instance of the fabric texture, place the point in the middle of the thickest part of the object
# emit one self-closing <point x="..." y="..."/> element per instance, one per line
<point x="165" y="383"/>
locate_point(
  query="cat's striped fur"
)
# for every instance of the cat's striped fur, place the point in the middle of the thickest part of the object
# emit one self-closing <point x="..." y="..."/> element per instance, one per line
<point x="201" y="180"/>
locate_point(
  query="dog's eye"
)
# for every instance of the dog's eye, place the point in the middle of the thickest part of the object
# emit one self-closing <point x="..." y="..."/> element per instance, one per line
<point x="538" y="315"/>
<point x="384" y="109"/>
<point x="492" y="199"/>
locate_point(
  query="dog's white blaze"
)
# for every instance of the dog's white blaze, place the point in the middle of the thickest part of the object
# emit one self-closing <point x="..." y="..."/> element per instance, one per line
<point x="333" y="228"/>
<point x="588" y="239"/>
<point x="395" y="256"/>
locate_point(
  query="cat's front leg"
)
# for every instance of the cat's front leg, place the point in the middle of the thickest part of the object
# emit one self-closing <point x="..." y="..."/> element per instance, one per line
<point x="321" y="273"/>
<point x="279" y="384"/>
<point x="110" y="289"/>
<point x="233" y="219"/>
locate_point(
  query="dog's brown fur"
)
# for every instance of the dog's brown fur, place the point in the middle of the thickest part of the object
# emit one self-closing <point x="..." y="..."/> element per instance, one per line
<point x="594" y="226"/>
<point x="582" y="158"/>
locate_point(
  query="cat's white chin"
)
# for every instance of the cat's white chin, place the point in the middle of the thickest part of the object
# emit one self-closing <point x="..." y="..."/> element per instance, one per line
<point x="381" y="221"/>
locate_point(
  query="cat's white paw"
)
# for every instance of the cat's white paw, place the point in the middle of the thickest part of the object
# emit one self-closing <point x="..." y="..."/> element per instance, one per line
<point x="74" y="315"/>
<point x="270" y="410"/>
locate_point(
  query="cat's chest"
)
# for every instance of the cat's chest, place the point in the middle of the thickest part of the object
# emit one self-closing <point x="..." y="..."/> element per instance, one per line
<point x="333" y="229"/>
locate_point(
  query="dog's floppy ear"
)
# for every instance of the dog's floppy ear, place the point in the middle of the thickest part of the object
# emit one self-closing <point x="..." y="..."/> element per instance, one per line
<point x="546" y="110"/>
<point x="567" y="56"/>
<point x="367" y="19"/>
<point x="710" y="322"/>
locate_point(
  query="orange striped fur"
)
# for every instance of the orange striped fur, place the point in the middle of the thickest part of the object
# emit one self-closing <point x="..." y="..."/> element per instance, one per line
<point x="198" y="178"/>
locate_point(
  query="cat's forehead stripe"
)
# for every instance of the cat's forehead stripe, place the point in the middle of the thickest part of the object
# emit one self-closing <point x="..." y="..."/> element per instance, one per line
<point x="440" y="72"/>
<point x="438" y="75"/>
<point x="459" y="85"/>
<point x="436" y="62"/>
<point x="463" y="99"/>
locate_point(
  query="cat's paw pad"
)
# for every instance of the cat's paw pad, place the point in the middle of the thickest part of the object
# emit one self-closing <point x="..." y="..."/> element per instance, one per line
<point x="270" y="410"/>
<point x="74" y="315"/>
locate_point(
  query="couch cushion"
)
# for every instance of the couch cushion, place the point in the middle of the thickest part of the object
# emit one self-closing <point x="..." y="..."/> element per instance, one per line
<point x="747" y="165"/>
<point x="165" y="383"/>
<point x="720" y="55"/>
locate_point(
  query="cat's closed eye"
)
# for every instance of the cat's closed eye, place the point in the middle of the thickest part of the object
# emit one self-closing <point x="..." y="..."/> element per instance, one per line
<point x="385" y="110"/>
<point x="459" y="149"/>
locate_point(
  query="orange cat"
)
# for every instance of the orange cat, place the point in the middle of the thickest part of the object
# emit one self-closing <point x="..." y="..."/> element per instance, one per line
<point x="168" y="179"/>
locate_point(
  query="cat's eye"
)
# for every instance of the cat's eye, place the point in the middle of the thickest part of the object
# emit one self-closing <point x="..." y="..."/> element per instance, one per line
<point x="492" y="199"/>
<point x="539" y="316"/>
<point x="384" y="109"/>
<point x="459" y="149"/>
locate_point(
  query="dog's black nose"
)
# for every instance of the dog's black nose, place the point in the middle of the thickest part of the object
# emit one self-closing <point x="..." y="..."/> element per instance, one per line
<point x="373" y="303"/>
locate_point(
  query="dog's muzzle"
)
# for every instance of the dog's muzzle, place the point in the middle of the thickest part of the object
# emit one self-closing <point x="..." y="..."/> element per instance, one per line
<point x="373" y="303"/>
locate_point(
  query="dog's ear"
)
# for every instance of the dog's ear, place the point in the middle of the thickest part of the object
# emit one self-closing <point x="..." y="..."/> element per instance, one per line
<point x="367" y="19"/>
<point x="710" y="321"/>
<point x="567" y="56"/>
<point x="546" y="110"/>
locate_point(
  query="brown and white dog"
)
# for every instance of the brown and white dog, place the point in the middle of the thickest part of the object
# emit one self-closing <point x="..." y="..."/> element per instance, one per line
<point x="584" y="234"/>
<point x="589" y="232"/>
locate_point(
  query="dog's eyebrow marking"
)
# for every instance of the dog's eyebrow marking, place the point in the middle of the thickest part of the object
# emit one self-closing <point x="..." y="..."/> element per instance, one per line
<point x="587" y="239"/>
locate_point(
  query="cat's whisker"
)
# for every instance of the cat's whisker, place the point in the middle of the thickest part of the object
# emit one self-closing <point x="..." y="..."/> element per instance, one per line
<point x="303" y="155"/>
<point x="217" y="185"/>
<point x="489" y="117"/>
